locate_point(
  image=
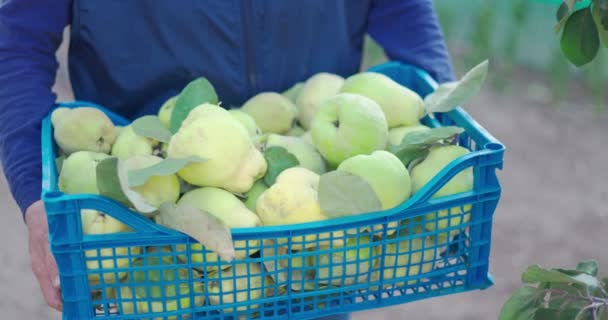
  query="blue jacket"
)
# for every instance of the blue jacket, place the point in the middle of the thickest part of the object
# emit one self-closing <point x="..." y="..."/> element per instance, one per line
<point x="130" y="56"/>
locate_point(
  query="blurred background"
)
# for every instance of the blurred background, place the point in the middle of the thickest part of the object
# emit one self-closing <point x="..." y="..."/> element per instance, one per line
<point x="552" y="117"/>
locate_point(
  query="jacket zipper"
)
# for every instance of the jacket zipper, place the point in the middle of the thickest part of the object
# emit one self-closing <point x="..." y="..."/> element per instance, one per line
<point x="246" y="13"/>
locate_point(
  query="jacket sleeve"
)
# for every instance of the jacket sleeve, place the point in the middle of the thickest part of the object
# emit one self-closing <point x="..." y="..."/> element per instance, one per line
<point x="30" y="33"/>
<point x="409" y="31"/>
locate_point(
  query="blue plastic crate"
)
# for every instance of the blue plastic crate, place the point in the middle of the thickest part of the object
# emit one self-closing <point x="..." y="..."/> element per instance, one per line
<point x="298" y="271"/>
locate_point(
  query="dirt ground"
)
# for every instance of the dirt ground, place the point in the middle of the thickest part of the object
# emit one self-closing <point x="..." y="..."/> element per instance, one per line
<point x="553" y="211"/>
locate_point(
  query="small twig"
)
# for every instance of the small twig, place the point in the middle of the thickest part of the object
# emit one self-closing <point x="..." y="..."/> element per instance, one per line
<point x="587" y="308"/>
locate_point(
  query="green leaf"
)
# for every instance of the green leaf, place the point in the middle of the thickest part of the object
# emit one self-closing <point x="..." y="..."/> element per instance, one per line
<point x="556" y="314"/>
<point x="569" y="272"/>
<point x="587" y="280"/>
<point x="112" y="182"/>
<point x="410" y="153"/>
<point x="536" y="274"/>
<point x="278" y="160"/>
<point x="410" y="166"/>
<point x="605" y="281"/>
<point x="197" y="92"/>
<point x="165" y="167"/>
<point x="137" y="200"/>
<point x="431" y="136"/>
<point x="293" y="92"/>
<point x="581" y="276"/>
<point x="151" y="127"/>
<point x="600" y="18"/>
<point x="580" y="41"/>
<point x="562" y="296"/>
<point x="453" y="94"/>
<point x="108" y="182"/>
<point x="563" y="13"/>
<point x="417" y="144"/>
<point x="344" y="194"/>
<point x="522" y="304"/>
<point x="589" y="267"/>
<point x="200" y="225"/>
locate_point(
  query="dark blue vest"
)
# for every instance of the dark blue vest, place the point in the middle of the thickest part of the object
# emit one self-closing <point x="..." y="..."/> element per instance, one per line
<point x="131" y="55"/>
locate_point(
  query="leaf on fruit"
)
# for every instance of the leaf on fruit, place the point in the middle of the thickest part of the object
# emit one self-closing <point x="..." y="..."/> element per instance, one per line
<point x="200" y="225"/>
<point x="416" y="145"/>
<point x="522" y="304"/>
<point x="165" y="167"/>
<point x="410" y="166"/>
<point x="151" y="127"/>
<point x="453" y="94"/>
<point x="344" y="194"/>
<point x="137" y="200"/>
<point x="108" y="182"/>
<point x="197" y="92"/>
<point x="431" y="136"/>
<point x="112" y="183"/>
<point x="580" y="39"/>
<point x="409" y="154"/>
<point x="278" y="160"/>
<point x="589" y="267"/>
<point x="536" y="274"/>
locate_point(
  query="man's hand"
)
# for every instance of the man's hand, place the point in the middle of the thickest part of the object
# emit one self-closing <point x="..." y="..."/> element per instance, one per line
<point x="43" y="262"/>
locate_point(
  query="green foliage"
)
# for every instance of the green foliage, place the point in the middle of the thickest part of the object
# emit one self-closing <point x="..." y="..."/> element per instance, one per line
<point x="151" y="127"/>
<point x="580" y="40"/>
<point x="279" y="160"/>
<point x="204" y="227"/>
<point x="196" y="92"/>
<point x="557" y="294"/>
<point x="521" y="41"/>
<point x="582" y="30"/>
<point x="165" y="167"/>
<point x="450" y="95"/>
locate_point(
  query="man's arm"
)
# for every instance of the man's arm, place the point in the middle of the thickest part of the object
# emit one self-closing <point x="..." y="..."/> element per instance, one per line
<point x="30" y="33"/>
<point x="409" y="31"/>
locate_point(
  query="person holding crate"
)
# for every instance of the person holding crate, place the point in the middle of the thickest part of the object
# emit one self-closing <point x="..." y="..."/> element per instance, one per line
<point x="131" y="56"/>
